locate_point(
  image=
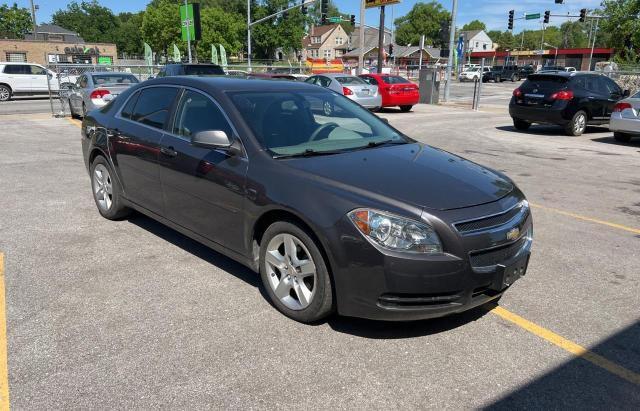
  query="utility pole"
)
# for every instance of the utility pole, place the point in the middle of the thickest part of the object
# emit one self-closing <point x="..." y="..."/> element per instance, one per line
<point x="593" y="44"/>
<point x="452" y="38"/>
<point x="361" y="39"/>
<point x="188" y="21"/>
<point x="33" y="18"/>
<point x="249" y="35"/>
<point x="381" y="41"/>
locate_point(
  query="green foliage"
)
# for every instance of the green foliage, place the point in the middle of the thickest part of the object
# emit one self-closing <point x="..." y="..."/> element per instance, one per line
<point x="128" y="34"/>
<point x="474" y="25"/>
<point x="15" y="21"/>
<point x="626" y="27"/>
<point x="271" y="35"/>
<point x="424" y="18"/>
<point x="221" y="27"/>
<point x="92" y="21"/>
<point x="161" y="25"/>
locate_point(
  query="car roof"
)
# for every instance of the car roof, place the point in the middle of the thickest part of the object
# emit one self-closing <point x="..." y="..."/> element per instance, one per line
<point x="229" y="83"/>
<point x="334" y="75"/>
<point x="108" y="73"/>
<point x="9" y="63"/>
<point x="565" y="74"/>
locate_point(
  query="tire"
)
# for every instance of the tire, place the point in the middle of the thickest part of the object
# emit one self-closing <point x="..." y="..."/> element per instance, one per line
<point x="621" y="137"/>
<point x="513" y="78"/>
<point x="5" y="93"/>
<point x="73" y="114"/>
<point x="283" y="278"/>
<point x="498" y="79"/>
<point x="102" y="178"/>
<point x="84" y="110"/>
<point x="577" y="125"/>
<point x="405" y="109"/>
<point x="521" y="124"/>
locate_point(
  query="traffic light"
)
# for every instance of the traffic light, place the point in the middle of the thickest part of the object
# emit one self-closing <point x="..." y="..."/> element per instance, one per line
<point x="303" y="8"/>
<point x="323" y="19"/>
<point x="583" y="15"/>
<point x="324" y="10"/>
<point x="391" y="49"/>
<point x="559" y="1"/>
<point x="511" y="13"/>
<point x="547" y="14"/>
<point x="285" y="15"/>
<point x="353" y="19"/>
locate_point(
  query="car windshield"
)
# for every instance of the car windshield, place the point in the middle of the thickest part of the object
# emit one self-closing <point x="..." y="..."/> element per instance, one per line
<point x="203" y="70"/>
<point x="395" y="80"/>
<point x="350" y="80"/>
<point x="113" y="79"/>
<point x="308" y="122"/>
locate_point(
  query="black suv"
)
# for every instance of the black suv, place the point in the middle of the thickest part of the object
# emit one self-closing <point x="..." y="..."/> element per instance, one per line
<point x="526" y="71"/>
<point x="191" y="70"/>
<point x="572" y="100"/>
<point x="502" y="73"/>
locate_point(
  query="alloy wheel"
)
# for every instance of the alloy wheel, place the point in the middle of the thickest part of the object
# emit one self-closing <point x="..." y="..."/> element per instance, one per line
<point x="580" y="124"/>
<point x="4" y="94"/>
<point x="291" y="271"/>
<point x="102" y="187"/>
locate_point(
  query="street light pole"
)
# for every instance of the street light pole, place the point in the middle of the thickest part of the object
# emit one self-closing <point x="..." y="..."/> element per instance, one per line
<point x="249" y="35"/>
<point x="593" y="44"/>
<point x="381" y="41"/>
<point x="33" y="17"/>
<point x="361" y="39"/>
<point x="452" y="35"/>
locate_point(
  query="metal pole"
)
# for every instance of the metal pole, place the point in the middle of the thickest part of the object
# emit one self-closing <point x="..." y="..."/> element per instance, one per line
<point x="381" y="41"/>
<point x="361" y="39"/>
<point x="542" y="40"/>
<point x="555" y="60"/>
<point x="421" y="47"/>
<point x="480" y="84"/>
<point x="452" y="35"/>
<point x="593" y="44"/>
<point x="249" y="35"/>
<point x="33" y="17"/>
<point x="188" y="21"/>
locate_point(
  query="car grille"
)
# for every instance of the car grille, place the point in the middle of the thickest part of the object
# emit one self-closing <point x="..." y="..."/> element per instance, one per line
<point x="495" y="256"/>
<point x="492" y="221"/>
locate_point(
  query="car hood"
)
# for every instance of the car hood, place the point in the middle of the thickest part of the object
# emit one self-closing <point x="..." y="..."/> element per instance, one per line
<point x="415" y="173"/>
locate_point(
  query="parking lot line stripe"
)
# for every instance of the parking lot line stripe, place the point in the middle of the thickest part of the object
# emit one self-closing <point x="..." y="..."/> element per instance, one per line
<point x="585" y="218"/>
<point x="567" y="345"/>
<point x="4" y="369"/>
<point x="73" y="121"/>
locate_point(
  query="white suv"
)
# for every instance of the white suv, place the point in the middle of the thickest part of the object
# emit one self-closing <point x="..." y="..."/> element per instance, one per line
<point x="25" y="79"/>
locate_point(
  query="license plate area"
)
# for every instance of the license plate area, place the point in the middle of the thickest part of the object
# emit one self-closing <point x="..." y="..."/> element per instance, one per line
<point x="507" y="275"/>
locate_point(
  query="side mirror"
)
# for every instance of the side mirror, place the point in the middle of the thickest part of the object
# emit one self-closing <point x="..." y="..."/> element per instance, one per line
<point x="386" y="120"/>
<point x="211" y="139"/>
<point x="626" y="93"/>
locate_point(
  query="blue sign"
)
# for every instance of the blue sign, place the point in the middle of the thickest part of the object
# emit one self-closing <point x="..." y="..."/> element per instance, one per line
<point x="460" y="47"/>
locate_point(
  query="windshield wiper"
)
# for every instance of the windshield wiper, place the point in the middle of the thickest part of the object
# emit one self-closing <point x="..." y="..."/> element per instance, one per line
<point x="308" y="153"/>
<point x="382" y="143"/>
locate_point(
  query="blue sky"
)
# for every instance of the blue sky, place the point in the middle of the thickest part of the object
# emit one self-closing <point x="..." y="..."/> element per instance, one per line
<point x="492" y="12"/>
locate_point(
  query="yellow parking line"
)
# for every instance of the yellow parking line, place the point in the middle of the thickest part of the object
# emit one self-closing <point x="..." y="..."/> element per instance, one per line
<point x="4" y="368"/>
<point x="585" y="218"/>
<point x="73" y="121"/>
<point x="567" y="345"/>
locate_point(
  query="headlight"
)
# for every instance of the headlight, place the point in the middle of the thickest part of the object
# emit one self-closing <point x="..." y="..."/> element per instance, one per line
<point x="396" y="233"/>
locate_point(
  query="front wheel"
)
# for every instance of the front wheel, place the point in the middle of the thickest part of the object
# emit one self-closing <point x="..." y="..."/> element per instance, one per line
<point x="498" y="79"/>
<point x="577" y="125"/>
<point x="521" y="124"/>
<point x="621" y="137"/>
<point x="106" y="190"/>
<point x="5" y="93"/>
<point x="405" y="109"/>
<point x="294" y="273"/>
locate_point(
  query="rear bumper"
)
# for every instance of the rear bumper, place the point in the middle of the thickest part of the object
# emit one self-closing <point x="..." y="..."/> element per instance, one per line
<point x="400" y="100"/>
<point x="624" y="124"/>
<point x="548" y="115"/>
<point x="368" y="102"/>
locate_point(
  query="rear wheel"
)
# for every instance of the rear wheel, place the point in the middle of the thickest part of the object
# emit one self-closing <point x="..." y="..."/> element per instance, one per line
<point x="498" y="79"/>
<point x="521" y="124"/>
<point x="106" y="190"/>
<point x="5" y="93"/>
<point x="294" y="273"/>
<point x="405" y="109"/>
<point x="513" y="78"/>
<point x="622" y="137"/>
<point x="577" y="125"/>
<point x="84" y="110"/>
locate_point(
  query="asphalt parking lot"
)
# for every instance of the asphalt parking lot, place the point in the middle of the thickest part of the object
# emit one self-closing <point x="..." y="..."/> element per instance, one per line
<point x="132" y="314"/>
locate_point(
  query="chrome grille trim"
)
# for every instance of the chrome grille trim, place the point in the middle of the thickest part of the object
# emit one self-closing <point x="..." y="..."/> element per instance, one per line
<point x="519" y="212"/>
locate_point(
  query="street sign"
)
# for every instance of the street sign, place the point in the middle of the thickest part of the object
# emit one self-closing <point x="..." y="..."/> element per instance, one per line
<point x="532" y="16"/>
<point x="377" y="3"/>
<point x="335" y="19"/>
<point x="190" y="20"/>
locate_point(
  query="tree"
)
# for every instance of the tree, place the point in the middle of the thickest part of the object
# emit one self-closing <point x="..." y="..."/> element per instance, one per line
<point x="15" y="21"/>
<point x="285" y="33"/>
<point x="574" y="35"/>
<point x="221" y="27"/>
<point x="474" y="25"/>
<point x="161" y="25"/>
<point x="623" y="21"/>
<point x="423" y="19"/>
<point x="128" y="33"/>
<point x="93" y="22"/>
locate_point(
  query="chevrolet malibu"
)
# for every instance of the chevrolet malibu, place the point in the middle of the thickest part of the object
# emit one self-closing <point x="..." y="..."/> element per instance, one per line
<point x="335" y="209"/>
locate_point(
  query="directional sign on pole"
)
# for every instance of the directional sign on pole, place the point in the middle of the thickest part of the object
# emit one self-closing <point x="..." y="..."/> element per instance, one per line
<point x="377" y="3"/>
<point x="190" y="21"/>
<point x="335" y="19"/>
<point x="532" y="16"/>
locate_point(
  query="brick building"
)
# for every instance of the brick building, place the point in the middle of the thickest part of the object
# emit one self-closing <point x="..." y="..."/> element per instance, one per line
<point x="54" y="44"/>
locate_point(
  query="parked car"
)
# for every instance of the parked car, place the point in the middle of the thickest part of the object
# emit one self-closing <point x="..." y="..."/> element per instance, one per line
<point x="499" y="74"/>
<point x="572" y="100"/>
<point x="237" y="73"/>
<point x="625" y="119"/>
<point x="95" y="90"/>
<point x="25" y="79"/>
<point x="395" y="90"/>
<point x="336" y="212"/>
<point x="271" y="76"/>
<point x="350" y="86"/>
<point x="557" y="68"/>
<point x="184" y="69"/>
<point x="472" y="74"/>
<point x="524" y="71"/>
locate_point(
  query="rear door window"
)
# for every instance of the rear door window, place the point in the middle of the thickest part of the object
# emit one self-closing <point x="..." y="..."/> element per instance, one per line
<point x="196" y="112"/>
<point x="610" y="86"/>
<point x="127" y="110"/>
<point x="17" y="69"/>
<point x="152" y="107"/>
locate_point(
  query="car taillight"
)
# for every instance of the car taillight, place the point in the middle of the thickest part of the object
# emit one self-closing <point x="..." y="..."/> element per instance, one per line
<point x="346" y="91"/>
<point x="621" y="107"/>
<point x="562" y="95"/>
<point x="517" y="93"/>
<point x="99" y="93"/>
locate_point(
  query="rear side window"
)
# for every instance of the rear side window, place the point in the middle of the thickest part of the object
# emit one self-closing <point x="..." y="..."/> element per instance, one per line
<point x="127" y="110"/>
<point x="152" y="107"/>
<point x="543" y="84"/>
<point x="398" y="79"/>
<point x="350" y="80"/>
<point x="17" y="69"/>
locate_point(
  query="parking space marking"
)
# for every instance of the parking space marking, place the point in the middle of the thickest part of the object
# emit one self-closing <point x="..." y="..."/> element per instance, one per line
<point x="567" y="345"/>
<point x="4" y="368"/>
<point x="73" y="121"/>
<point x="585" y="218"/>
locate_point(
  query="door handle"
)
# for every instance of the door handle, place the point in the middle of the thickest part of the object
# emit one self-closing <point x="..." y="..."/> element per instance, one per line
<point x="169" y="151"/>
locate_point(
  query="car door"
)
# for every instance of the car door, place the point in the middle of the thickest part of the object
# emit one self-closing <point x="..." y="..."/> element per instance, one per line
<point x="134" y="139"/>
<point x="18" y="77"/>
<point x="40" y="79"/>
<point x="615" y="94"/>
<point x="75" y="96"/>
<point x="203" y="188"/>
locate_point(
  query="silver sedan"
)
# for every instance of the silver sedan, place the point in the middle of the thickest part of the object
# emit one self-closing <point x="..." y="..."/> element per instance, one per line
<point x="625" y="119"/>
<point x="95" y="90"/>
<point x="353" y="87"/>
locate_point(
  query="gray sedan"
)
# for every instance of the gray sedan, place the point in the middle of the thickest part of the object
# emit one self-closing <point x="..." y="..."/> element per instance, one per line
<point x="350" y="86"/>
<point x="94" y="90"/>
<point x="625" y="119"/>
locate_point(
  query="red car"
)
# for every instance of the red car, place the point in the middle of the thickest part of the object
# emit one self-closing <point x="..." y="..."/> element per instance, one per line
<point x="395" y="90"/>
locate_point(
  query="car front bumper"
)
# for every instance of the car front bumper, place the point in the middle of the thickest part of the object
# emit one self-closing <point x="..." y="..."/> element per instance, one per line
<point x="377" y="284"/>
